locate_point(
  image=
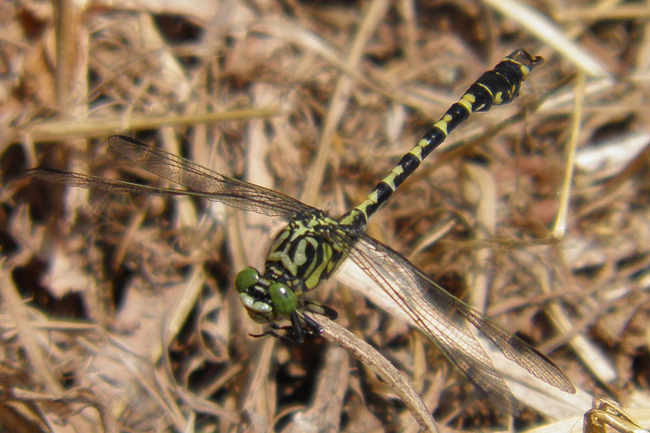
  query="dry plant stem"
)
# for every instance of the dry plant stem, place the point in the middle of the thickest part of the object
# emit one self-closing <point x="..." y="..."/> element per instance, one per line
<point x="74" y="397"/>
<point x="324" y="413"/>
<point x="57" y="131"/>
<point x="122" y="248"/>
<point x="591" y="356"/>
<point x="409" y="14"/>
<point x="26" y="332"/>
<point x="578" y="28"/>
<point x="258" y="403"/>
<point x="67" y="23"/>
<point x="548" y="32"/>
<point x="559" y="229"/>
<point x="197" y="403"/>
<point x="372" y="79"/>
<point x="381" y="366"/>
<point x="598" y="13"/>
<point x="480" y="190"/>
<point x="177" y="317"/>
<point x="340" y="98"/>
<point x="186" y="212"/>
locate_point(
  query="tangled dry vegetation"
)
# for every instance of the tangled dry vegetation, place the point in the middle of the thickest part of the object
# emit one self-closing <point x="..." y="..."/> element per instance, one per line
<point x="118" y="312"/>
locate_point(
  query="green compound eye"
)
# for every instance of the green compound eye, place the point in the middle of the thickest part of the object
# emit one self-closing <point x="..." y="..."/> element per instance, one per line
<point x="283" y="298"/>
<point x="246" y="278"/>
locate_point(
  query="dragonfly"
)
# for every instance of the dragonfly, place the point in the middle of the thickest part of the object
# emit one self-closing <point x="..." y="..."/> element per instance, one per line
<point x="313" y="245"/>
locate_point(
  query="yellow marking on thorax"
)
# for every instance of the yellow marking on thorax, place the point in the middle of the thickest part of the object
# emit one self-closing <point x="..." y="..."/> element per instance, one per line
<point x="350" y="217"/>
<point x="315" y="274"/>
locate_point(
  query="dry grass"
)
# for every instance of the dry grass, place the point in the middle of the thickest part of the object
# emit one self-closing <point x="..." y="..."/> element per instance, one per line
<point x="118" y="313"/>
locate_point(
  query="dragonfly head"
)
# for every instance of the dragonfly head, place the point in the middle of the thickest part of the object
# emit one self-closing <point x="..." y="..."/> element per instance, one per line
<point x="265" y="301"/>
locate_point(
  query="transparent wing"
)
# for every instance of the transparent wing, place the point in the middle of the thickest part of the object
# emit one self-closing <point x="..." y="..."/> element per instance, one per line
<point x="201" y="182"/>
<point x="443" y="318"/>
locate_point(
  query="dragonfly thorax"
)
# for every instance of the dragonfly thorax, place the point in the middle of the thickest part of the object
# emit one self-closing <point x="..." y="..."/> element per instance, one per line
<point x="304" y="253"/>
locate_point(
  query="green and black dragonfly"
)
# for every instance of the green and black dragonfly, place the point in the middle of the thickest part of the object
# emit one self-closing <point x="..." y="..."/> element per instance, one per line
<point x="313" y="244"/>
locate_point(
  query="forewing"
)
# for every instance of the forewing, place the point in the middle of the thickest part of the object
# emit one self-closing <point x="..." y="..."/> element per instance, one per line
<point x="218" y="187"/>
<point x="443" y="318"/>
<point x="201" y="181"/>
